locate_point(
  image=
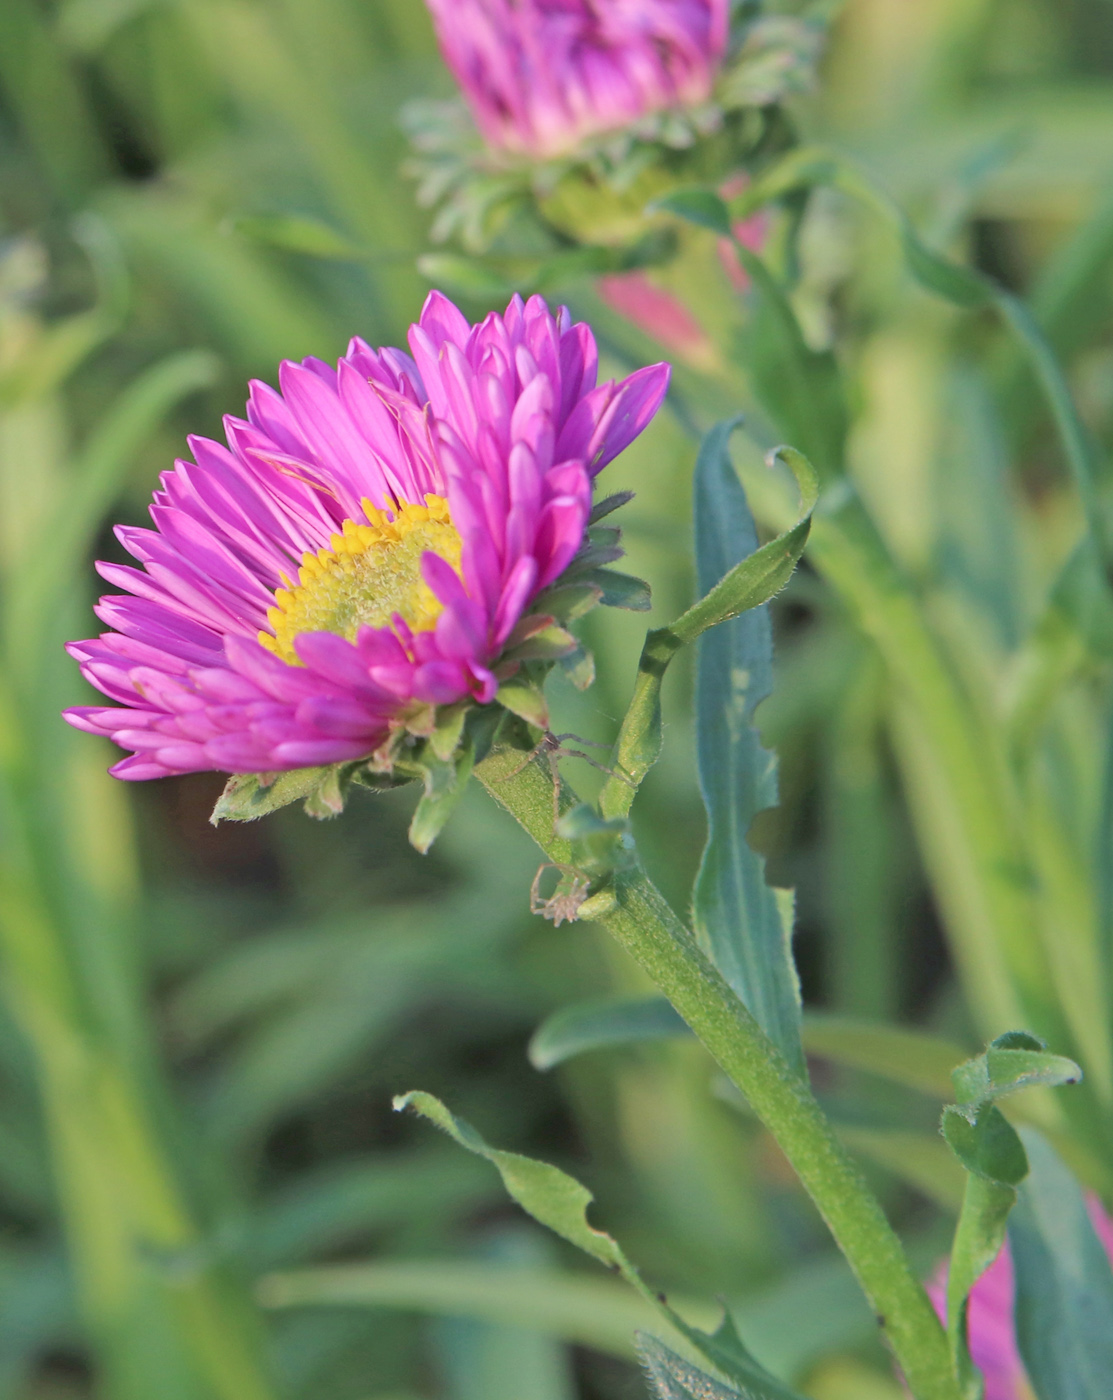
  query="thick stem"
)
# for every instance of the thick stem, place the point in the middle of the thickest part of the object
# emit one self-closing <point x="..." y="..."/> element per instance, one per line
<point x="641" y="920"/>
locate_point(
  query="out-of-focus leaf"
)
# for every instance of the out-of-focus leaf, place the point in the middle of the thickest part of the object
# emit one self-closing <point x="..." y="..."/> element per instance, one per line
<point x="698" y="206"/>
<point x="298" y="233"/>
<point x="465" y="277"/>
<point x="594" y="1312"/>
<point x="493" y="1361"/>
<point x="777" y="58"/>
<point x="1064" y="1284"/>
<point x="62" y="346"/>
<point x="100" y="471"/>
<point x="910" y="1058"/>
<point x="594" y="1025"/>
<point x="924" y="1162"/>
<point x="744" y="925"/>
<point x="907" y="1057"/>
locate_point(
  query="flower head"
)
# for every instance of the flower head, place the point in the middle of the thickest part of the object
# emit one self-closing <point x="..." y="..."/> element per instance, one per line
<point x="540" y="75"/>
<point x="991" y="1328"/>
<point x="364" y="549"/>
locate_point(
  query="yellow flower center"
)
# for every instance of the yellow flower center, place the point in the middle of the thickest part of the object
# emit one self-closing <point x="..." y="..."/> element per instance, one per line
<point x="371" y="572"/>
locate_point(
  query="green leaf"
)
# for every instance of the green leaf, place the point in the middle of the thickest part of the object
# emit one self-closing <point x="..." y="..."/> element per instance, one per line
<point x="750" y="583"/>
<point x="1015" y="1060"/>
<point x="464" y="277"/>
<point x="619" y="590"/>
<point x="560" y="1202"/>
<point x="925" y="1162"/>
<point x="963" y="287"/>
<point x="551" y="1196"/>
<point x="989" y="1148"/>
<point x="799" y="388"/>
<point x="987" y="1145"/>
<point x="249" y="796"/>
<point x="743" y="925"/>
<point x="1064" y="1284"/>
<point x="579" y="667"/>
<point x="594" y="1025"/>
<point x="445" y="781"/>
<point x="910" y="1058"/>
<point x="100" y="472"/>
<point x="697" y="206"/>
<point x="673" y="1378"/>
<point x="299" y="233"/>
<point x="601" y="1313"/>
<point x="524" y="700"/>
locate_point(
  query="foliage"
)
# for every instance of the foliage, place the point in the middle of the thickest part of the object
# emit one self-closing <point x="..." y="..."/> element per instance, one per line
<point x="201" y="1181"/>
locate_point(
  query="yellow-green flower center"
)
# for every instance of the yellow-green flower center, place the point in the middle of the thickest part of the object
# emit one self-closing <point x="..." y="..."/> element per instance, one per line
<point x="371" y="572"/>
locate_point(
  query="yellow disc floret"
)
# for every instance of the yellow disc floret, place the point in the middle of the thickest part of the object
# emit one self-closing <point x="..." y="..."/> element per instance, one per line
<point x="371" y="572"/>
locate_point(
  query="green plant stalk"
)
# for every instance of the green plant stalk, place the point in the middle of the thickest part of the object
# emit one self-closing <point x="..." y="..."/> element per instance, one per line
<point x="139" y="1262"/>
<point x="636" y="914"/>
<point x="968" y="823"/>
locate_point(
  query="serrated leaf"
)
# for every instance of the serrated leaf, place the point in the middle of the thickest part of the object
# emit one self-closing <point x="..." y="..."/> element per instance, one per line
<point x="1064" y="1284"/>
<point x="560" y="1202"/>
<point x="551" y="1196"/>
<point x="737" y="916"/>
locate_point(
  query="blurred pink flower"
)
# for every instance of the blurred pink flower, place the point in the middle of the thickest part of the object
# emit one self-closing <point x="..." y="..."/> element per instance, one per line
<point x="364" y="546"/>
<point x="540" y="75"/>
<point x="658" y="313"/>
<point x="992" y="1331"/>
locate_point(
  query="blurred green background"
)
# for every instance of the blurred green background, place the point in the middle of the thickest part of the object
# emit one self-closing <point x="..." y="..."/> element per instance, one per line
<point x="201" y="1029"/>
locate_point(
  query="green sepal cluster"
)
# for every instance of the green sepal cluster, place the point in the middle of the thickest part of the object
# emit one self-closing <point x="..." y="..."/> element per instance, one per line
<point x="531" y="223"/>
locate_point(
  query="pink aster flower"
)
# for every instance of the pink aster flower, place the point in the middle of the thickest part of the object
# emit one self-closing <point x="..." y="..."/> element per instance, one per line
<point x="367" y="545"/>
<point x="992" y="1331"/>
<point x="540" y="75"/>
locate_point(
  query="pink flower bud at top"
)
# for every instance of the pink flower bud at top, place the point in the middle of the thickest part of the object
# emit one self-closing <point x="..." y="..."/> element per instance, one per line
<point x="541" y="75"/>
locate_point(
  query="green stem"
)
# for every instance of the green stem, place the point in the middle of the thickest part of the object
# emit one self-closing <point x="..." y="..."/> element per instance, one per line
<point x="640" y="919"/>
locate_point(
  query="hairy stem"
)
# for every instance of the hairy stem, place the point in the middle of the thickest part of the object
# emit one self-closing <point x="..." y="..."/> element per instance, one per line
<point x="641" y="920"/>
